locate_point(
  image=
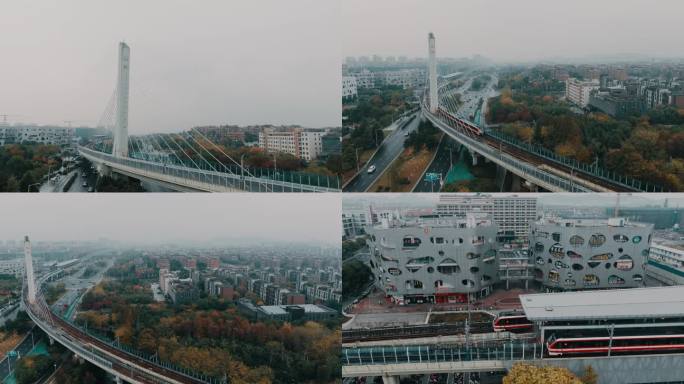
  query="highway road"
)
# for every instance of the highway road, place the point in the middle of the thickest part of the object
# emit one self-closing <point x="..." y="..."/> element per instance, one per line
<point x="440" y="165"/>
<point x="389" y="149"/>
<point x="76" y="286"/>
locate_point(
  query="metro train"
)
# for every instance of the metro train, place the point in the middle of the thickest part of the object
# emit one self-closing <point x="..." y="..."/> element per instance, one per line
<point x="619" y="344"/>
<point x="466" y="125"/>
<point x="512" y="323"/>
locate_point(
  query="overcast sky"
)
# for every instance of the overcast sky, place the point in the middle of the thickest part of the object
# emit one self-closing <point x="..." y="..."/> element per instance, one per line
<point x="192" y="62"/>
<point x="173" y="217"/>
<point x="519" y="30"/>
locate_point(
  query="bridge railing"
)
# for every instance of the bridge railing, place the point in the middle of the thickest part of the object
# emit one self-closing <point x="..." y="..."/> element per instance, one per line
<point x="527" y="169"/>
<point x="253" y="179"/>
<point x="440" y="353"/>
<point x="595" y="171"/>
<point x="151" y="358"/>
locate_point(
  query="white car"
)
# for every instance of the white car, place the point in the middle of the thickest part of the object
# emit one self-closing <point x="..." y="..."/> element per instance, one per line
<point x="371" y="169"/>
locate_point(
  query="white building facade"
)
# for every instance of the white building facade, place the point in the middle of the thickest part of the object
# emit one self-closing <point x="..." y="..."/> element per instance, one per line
<point x="349" y="88"/>
<point x="302" y="143"/>
<point x="578" y="91"/>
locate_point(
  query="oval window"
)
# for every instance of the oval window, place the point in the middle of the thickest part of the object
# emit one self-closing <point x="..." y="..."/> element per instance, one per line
<point x="597" y="240"/>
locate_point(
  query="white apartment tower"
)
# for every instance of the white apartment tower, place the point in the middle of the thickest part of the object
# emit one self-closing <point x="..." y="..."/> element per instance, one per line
<point x="120" y="146"/>
<point x="432" y="69"/>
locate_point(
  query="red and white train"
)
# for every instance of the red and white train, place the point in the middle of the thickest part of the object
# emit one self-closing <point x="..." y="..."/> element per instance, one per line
<point x="620" y="344"/>
<point x="460" y="123"/>
<point x="512" y="323"/>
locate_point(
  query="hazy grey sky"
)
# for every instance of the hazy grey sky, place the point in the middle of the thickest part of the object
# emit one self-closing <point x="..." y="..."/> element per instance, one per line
<point x="518" y="30"/>
<point x="172" y="217"/>
<point x="192" y="62"/>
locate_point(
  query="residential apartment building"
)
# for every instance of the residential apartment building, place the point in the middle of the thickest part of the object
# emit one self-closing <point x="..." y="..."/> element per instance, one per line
<point x="302" y="143"/>
<point x="578" y="91"/>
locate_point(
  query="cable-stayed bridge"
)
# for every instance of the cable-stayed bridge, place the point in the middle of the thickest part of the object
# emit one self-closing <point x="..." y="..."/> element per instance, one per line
<point x="534" y="164"/>
<point x="187" y="161"/>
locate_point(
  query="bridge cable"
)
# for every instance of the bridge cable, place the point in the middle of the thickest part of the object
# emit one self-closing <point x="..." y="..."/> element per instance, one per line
<point x="169" y="149"/>
<point x="182" y="150"/>
<point x="244" y="170"/>
<point x="224" y="153"/>
<point x="198" y="153"/>
<point x="209" y="152"/>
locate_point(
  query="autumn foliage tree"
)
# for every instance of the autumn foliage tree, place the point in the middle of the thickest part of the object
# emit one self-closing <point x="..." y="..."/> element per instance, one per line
<point x="530" y="374"/>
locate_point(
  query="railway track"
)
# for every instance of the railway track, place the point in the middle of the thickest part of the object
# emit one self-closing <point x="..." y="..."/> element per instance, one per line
<point x="412" y="332"/>
<point x="538" y="161"/>
<point x="126" y="371"/>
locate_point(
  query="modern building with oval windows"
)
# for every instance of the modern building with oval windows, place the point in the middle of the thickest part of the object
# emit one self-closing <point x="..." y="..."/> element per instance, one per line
<point x="434" y="259"/>
<point x="572" y="254"/>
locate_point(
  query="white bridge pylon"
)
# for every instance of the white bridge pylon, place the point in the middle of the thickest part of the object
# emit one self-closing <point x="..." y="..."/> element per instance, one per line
<point x="31" y="280"/>
<point x="120" y="144"/>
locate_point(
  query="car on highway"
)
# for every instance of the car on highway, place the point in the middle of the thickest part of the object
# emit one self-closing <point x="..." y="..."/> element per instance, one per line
<point x="84" y="185"/>
<point x="371" y="169"/>
<point x="406" y="134"/>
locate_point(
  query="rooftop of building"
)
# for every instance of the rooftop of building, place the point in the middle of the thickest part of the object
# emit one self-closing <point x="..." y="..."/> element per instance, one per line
<point x="471" y="220"/>
<point x="591" y="222"/>
<point x="282" y="309"/>
<point x="669" y="239"/>
<point x="633" y="303"/>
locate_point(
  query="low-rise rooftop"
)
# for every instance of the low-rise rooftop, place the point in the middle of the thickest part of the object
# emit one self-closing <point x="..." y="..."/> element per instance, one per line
<point x="634" y="303"/>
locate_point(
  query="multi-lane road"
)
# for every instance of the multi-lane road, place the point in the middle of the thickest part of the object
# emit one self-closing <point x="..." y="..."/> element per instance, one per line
<point x="388" y="151"/>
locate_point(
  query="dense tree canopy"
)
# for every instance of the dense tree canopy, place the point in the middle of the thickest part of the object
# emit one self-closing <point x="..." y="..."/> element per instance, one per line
<point x="647" y="148"/>
<point x="25" y="164"/>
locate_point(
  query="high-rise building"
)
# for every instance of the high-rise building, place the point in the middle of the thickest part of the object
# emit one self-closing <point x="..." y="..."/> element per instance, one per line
<point x="513" y="214"/>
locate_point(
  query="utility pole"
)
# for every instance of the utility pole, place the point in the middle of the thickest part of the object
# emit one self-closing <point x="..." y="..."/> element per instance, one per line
<point x="357" y="160"/>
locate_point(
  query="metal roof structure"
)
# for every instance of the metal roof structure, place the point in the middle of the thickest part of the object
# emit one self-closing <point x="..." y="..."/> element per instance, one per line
<point x="634" y="303"/>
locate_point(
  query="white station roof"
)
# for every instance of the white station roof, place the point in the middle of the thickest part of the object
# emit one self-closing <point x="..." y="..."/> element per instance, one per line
<point x="633" y="303"/>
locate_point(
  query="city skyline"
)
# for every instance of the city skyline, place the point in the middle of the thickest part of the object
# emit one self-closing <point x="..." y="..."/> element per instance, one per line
<point x="185" y="71"/>
<point x="528" y="30"/>
<point x="173" y="218"/>
<point x="544" y="199"/>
